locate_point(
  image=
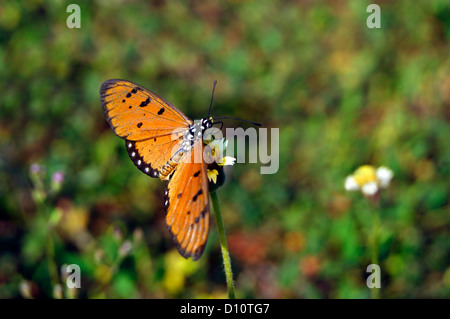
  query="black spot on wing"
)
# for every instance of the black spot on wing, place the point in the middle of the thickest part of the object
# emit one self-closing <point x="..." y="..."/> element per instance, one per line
<point x="145" y="103"/>
<point x="204" y="211"/>
<point x="198" y="194"/>
<point x="161" y="111"/>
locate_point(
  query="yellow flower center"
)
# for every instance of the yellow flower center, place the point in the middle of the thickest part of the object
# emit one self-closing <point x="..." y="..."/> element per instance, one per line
<point x="365" y="174"/>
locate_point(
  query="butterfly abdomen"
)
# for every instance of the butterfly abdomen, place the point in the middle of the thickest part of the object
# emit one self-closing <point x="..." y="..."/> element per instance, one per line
<point x="170" y="166"/>
<point x="192" y="136"/>
<point x="186" y="145"/>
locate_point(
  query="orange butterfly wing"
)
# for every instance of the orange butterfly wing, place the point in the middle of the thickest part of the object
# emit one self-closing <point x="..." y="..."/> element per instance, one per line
<point x="187" y="206"/>
<point x="151" y="126"/>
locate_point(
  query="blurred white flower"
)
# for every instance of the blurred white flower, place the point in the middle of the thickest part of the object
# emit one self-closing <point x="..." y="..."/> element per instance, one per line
<point x="57" y="291"/>
<point x="370" y="188"/>
<point x="25" y="289"/>
<point x="384" y="176"/>
<point x="350" y="184"/>
<point x="369" y="180"/>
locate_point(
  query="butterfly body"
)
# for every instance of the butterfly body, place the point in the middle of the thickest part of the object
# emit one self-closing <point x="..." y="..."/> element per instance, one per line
<point x="163" y="143"/>
<point x="192" y="136"/>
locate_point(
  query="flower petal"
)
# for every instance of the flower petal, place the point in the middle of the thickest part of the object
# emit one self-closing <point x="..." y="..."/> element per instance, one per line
<point x="370" y="189"/>
<point x="384" y="176"/>
<point x="350" y="184"/>
<point x="227" y="160"/>
<point x="212" y="175"/>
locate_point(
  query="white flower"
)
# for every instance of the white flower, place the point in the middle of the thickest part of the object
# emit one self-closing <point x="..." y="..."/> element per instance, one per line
<point x="369" y="189"/>
<point x="227" y="160"/>
<point x="216" y="150"/>
<point x="384" y="176"/>
<point x="369" y="180"/>
<point x="25" y="289"/>
<point x="350" y="184"/>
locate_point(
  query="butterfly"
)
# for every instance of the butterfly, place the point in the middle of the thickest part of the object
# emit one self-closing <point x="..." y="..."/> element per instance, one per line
<point x="160" y="141"/>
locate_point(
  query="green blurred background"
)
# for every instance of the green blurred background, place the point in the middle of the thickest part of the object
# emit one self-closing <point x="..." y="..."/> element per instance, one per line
<point x="341" y="94"/>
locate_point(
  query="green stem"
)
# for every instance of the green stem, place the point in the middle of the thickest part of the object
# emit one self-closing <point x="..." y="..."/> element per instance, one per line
<point x="223" y="245"/>
<point x="40" y="197"/>
<point x="50" y="249"/>
<point x="375" y="292"/>
<point x="44" y="211"/>
<point x="52" y="268"/>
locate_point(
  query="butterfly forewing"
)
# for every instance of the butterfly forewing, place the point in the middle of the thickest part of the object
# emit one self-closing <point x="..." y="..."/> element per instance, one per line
<point x="151" y="126"/>
<point x="134" y="112"/>
<point x="187" y="207"/>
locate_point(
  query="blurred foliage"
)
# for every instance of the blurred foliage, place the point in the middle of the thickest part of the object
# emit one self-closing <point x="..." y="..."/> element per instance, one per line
<point x="342" y="95"/>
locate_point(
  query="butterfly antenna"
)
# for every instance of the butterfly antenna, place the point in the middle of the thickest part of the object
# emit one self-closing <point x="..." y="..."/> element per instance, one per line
<point x="235" y="118"/>
<point x="212" y="97"/>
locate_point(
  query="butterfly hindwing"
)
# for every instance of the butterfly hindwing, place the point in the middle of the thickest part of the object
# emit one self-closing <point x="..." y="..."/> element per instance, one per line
<point x="151" y="154"/>
<point x="151" y="126"/>
<point x="187" y="206"/>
